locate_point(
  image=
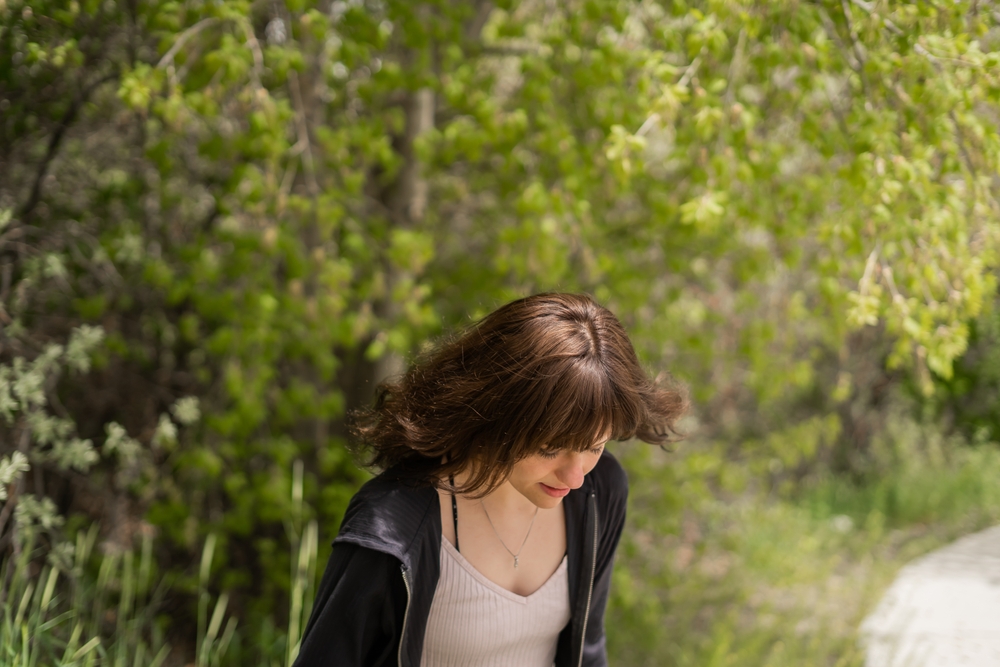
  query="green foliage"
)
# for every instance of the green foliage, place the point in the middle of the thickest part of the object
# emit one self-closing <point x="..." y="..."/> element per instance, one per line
<point x="968" y="398"/>
<point x="35" y="435"/>
<point x="265" y="208"/>
<point x="11" y="469"/>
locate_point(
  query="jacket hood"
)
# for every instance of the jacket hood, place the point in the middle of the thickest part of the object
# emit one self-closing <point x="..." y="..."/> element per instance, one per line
<point x="389" y="517"/>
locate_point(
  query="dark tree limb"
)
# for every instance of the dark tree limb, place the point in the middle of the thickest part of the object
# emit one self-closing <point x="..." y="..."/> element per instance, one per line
<point x="54" y="142"/>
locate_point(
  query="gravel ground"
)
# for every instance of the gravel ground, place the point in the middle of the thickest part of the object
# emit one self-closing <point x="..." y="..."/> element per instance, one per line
<point x="943" y="610"/>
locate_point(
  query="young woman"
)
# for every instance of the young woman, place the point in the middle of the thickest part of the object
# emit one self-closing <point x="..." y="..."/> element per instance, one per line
<point x="490" y="535"/>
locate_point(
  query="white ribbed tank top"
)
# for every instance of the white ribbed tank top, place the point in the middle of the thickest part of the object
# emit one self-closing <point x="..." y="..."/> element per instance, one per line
<point x="473" y="621"/>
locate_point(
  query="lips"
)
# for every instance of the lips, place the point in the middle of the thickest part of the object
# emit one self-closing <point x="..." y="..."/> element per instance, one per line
<point x="554" y="492"/>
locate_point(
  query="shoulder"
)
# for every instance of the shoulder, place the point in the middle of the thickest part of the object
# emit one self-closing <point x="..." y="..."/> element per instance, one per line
<point x="389" y="516"/>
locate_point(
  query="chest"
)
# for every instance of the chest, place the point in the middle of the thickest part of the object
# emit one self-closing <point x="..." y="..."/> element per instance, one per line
<point x="473" y="621"/>
<point x="492" y="545"/>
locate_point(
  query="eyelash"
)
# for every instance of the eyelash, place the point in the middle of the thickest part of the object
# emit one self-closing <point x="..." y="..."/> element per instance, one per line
<point x="552" y="454"/>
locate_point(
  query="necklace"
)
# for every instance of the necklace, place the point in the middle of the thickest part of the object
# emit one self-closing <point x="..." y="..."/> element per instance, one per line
<point x="518" y="554"/>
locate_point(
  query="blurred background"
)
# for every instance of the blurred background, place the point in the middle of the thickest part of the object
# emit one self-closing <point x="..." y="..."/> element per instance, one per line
<point x="222" y="222"/>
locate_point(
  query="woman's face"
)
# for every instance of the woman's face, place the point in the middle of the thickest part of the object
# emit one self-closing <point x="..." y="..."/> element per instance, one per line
<point x="546" y="478"/>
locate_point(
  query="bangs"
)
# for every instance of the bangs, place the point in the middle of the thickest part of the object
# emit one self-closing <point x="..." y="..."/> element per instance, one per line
<point x="582" y="403"/>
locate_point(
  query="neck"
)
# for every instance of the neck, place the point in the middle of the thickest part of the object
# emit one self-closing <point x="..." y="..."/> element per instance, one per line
<point x="504" y="499"/>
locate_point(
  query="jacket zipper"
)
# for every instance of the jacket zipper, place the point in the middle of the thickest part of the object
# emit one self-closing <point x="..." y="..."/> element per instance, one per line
<point x="406" y="614"/>
<point x="593" y="571"/>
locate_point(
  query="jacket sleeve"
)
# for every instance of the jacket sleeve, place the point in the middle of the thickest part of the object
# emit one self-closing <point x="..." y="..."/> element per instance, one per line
<point x="358" y="613"/>
<point x="611" y="514"/>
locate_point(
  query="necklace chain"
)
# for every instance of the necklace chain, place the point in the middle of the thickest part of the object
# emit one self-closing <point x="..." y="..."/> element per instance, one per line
<point x="518" y="554"/>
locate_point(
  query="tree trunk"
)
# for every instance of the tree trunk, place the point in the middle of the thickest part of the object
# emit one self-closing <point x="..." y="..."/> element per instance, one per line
<point x="407" y="203"/>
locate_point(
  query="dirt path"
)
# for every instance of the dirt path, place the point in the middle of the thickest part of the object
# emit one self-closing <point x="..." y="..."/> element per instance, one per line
<point x="943" y="610"/>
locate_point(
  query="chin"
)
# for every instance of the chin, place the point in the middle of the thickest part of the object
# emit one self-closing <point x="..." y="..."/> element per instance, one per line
<point x="545" y="501"/>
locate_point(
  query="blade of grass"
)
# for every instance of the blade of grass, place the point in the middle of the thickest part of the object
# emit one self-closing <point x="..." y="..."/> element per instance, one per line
<point x="217" y="616"/>
<point x="73" y="639"/>
<point x="84" y="547"/>
<point x="203" y="597"/>
<point x="56" y="621"/>
<point x="23" y="607"/>
<point x="25" y="647"/>
<point x="160" y="656"/>
<point x="208" y="641"/>
<point x="227" y="638"/>
<point x="313" y="562"/>
<point x="145" y="564"/>
<point x="87" y="648"/>
<point x="140" y="654"/>
<point x="301" y="588"/>
<point x="109" y="564"/>
<point x="50" y="587"/>
<point x="125" y="607"/>
<point x="207" y="554"/>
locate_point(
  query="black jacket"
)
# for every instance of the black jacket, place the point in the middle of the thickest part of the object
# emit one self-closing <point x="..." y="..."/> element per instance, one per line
<point x="372" y="605"/>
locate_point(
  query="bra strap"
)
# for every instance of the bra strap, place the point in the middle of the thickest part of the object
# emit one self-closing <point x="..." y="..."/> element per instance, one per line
<point x="454" y="510"/>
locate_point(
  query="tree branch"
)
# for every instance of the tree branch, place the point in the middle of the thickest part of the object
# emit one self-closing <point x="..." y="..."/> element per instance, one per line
<point x="302" y="129"/>
<point x="859" y="50"/>
<point x="691" y="69"/>
<point x="168" y="57"/>
<point x="735" y="67"/>
<point x="831" y="29"/>
<point x="506" y="51"/>
<point x="258" y="55"/>
<point x="36" y="189"/>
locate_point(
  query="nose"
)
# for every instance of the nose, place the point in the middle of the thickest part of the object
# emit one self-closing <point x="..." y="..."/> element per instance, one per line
<point x="572" y="471"/>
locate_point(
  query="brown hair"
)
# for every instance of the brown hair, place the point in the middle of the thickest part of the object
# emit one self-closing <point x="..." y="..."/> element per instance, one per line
<point x="545" y="372"/>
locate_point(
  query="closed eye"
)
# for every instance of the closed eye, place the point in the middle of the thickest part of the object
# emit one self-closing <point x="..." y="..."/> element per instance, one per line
<point x="553" y="453"/>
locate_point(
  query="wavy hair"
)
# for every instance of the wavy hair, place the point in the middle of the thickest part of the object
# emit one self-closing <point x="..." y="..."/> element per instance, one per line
<point x="546" y="372"/>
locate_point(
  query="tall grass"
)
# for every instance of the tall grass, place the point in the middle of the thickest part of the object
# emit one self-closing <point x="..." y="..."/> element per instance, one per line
<point x="211" y="647"/>
<point x="786" y="581"/>
<point x="305" y="546"/>
<point x="57" y="614"/>
<point x="99" y="609"/>
<point x="960" y="490"/>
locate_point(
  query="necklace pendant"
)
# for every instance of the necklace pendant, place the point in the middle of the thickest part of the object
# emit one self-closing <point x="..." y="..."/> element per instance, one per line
<point x="515" y="562"/>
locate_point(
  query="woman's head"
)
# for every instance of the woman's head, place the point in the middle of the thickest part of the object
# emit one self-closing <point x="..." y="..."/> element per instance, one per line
<point x="541" y="374"/>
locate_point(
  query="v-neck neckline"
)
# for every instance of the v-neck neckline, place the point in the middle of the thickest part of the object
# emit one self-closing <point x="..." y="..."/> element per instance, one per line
<point x="450" y="550"/>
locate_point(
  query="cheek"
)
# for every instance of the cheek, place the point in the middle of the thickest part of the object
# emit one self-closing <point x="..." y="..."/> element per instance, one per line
<point x="534" y="468"/>
<point x="591" y="464"/>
